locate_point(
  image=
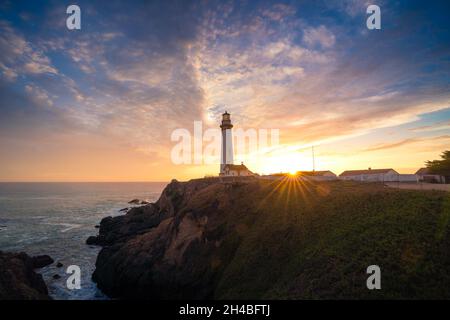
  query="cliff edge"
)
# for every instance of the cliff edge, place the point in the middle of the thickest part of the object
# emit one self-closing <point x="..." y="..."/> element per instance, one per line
<point x="293" y="239"/>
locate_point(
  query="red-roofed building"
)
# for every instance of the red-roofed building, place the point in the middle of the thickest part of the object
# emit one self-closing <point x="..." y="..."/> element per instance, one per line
<point x="383" y="175"/>
<point x="236" y="170"/>
<point x="318" y="175"/>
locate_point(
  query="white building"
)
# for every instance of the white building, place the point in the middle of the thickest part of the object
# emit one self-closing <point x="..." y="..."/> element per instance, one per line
<point x="236" y="170"/>
<point x="326" y="175"/>
<point x="408" y="178"/>
<point x="424" y="174"/>
<point x="227" y="168"/>
<point x="227" y="142"/>
<point x="382" y="175"/>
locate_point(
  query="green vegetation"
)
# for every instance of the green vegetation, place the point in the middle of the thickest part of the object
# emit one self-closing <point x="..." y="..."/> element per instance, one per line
<point x="441" y="167"/>
<point x="302" y="240"/>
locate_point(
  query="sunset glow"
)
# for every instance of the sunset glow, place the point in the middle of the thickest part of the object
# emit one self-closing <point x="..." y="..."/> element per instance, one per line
<point x="100" y="103"/>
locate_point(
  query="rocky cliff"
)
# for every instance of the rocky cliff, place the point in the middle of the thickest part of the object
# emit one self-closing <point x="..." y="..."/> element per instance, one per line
<point x="276" y="239"/>
<point x="18" y="280"/>
<point x="169" y="249"/>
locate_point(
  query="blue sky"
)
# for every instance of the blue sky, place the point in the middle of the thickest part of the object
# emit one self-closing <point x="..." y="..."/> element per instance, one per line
<point x="84" y="104"/>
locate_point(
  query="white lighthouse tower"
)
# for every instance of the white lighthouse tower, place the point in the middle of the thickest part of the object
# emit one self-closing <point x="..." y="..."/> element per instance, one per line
<point x="227" y="142"/>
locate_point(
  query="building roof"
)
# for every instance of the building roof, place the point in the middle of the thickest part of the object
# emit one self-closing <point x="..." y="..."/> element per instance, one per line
<point x="423" y="171"/>
<point x="314" y="173"/>
<point x="237" y="167"/>
<point x="369" y="171"/>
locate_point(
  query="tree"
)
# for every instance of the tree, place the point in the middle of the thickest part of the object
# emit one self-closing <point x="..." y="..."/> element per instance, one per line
<point x="441" y="167"/>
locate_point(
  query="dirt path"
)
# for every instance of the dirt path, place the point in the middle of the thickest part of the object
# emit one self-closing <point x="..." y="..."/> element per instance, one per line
<point x="419" y="186"/>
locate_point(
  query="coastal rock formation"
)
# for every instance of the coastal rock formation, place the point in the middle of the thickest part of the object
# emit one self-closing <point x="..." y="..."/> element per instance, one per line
<point x="41" y="261"/>
<point x="119" y="228"/>
<point x="252" y="239"/>
<point x="157" y="249"/>
<point x="18" y="280"/>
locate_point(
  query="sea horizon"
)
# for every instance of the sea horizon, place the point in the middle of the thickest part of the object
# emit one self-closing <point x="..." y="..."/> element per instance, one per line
<point x="85" y="181"/>
<point x="56" y="218"/>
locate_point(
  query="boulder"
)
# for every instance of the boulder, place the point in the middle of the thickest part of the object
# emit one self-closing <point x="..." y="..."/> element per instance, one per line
<point x="18" y="280"/>
<point x="120" y="228"/>
<point x="42" y="261"/>
<point x="92" y="240"/>
<point x="169" y="247"/>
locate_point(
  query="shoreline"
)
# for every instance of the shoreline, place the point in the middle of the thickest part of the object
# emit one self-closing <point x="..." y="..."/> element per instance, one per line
<point x="37" y="216"/>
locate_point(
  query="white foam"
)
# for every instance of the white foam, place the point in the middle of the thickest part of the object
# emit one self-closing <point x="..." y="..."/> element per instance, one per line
<point x="69" y="226"/>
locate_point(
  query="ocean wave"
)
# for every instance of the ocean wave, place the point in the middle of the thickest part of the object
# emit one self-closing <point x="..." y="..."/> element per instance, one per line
<point x="68" y="226"/>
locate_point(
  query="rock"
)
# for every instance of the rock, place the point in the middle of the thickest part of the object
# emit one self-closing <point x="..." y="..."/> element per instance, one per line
<point x="97" y="226"/>
<point x="56" y="276"/>
<point x="134" y="201"/>
<point x="18" y="280"/>
<point x="92" y="240"/>
<point x="168" y="247"/>
<point x="59" y="265"/>
<point x="137" y="220"/>
<point x="123" y="210"/>
<point x="144" y="202"/>
<point x="42" y="261"/>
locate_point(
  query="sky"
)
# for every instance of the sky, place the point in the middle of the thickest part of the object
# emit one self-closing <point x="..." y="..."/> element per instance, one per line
<point x="101" y="103"/>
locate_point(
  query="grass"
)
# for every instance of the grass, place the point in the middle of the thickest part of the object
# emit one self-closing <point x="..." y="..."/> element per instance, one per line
<point x="303" y="240"/>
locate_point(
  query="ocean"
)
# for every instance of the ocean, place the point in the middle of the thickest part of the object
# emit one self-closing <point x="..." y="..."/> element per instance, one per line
<point x="57" y="218"/>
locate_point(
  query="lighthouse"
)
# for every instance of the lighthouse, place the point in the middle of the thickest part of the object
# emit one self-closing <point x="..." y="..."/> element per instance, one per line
<point x="227" y="142"/>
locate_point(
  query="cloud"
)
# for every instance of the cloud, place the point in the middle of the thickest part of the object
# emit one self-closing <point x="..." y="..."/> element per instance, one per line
<point x="19" y="56"/>
<point x="8" y="73"/>
<point x="392" y="145"/>
<point x="40" y="96"/>
<point x="133" y="76"/>
<point x="406" y="142"/>
<point x="38" y="67"/>
<point x="353" y="7"/>
<point x="248" y="69"/>
<point x="31" y="115"/>
<point x="279" y="12"/>
<point x="443" y="125"/>
<point x="135" y="86"/>
<point x="319" y="36"/>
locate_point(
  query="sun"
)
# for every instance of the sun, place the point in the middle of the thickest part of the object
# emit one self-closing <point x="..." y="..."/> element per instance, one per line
<point x="287" y="163"/>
